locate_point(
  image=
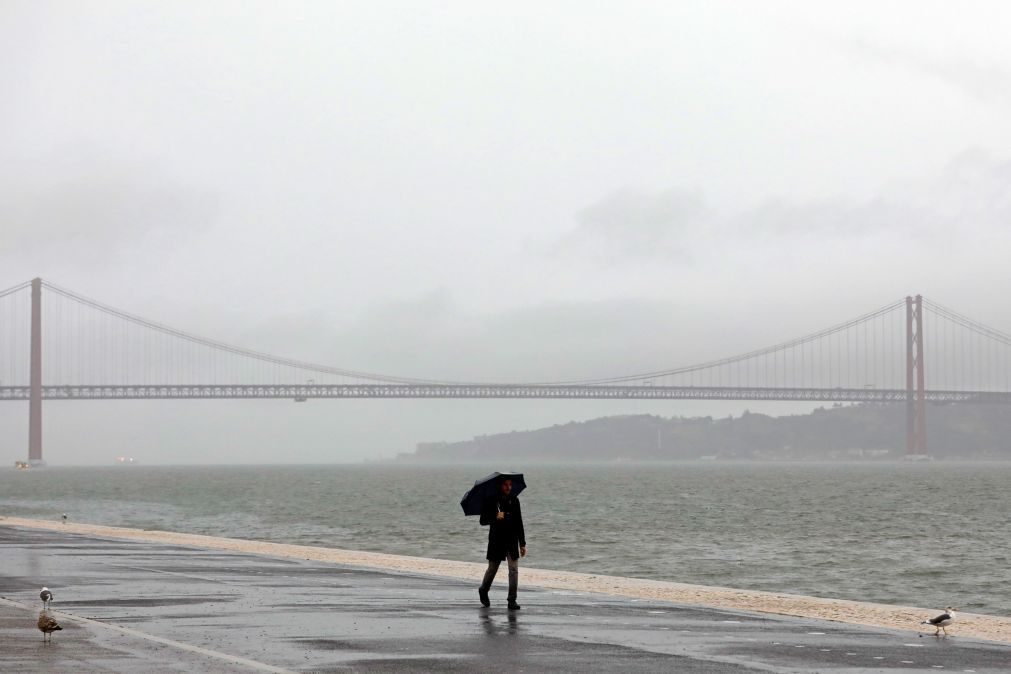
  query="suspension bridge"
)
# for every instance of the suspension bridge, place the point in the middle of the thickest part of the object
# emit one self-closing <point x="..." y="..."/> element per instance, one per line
<point x="56" y="344"/>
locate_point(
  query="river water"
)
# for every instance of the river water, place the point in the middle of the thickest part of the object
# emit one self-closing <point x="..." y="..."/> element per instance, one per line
<point x="925" y="534"/>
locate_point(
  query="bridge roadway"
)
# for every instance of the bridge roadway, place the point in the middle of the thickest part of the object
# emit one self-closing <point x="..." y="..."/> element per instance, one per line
<point x="500" y="391"/>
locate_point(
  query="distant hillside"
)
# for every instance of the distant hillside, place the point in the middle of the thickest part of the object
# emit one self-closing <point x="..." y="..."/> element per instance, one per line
<point x="856" y="431"/>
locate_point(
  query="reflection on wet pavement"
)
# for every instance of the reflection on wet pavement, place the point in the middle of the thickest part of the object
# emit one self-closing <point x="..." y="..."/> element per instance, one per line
<point x="188" y="609"/>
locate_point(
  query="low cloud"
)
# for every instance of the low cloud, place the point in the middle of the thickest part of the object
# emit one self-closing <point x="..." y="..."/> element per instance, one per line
<point x="630" y="224"/>
<point x="985" y="82"/>
<point x="91" y="207"/>
<point x="968" y="197"/>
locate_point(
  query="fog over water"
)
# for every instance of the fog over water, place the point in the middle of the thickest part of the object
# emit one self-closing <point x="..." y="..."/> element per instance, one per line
<point x="461" y="191"/>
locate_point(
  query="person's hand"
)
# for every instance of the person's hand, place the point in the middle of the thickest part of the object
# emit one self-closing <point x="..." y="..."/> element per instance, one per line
<point x="500" y="516"/>
<point x="523" y="551"/>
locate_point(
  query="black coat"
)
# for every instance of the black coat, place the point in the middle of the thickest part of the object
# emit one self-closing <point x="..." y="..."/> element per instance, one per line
<point x="505" y="536"/>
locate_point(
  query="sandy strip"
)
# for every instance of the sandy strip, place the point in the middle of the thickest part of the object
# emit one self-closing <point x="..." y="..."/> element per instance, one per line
<point x="975" y="625"/>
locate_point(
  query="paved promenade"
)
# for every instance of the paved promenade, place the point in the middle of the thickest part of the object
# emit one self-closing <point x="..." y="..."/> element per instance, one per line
<point x="129" y="606"/>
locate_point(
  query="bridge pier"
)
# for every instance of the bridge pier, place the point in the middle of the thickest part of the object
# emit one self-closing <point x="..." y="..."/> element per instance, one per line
<point x="35" y="393"/>
<point x="916" y="405"/>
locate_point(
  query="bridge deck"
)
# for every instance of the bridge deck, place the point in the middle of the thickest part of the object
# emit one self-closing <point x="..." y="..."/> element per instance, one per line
<point x="517" y="391"/>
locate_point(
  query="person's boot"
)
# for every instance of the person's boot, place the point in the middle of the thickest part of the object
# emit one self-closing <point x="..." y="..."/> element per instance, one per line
<point x="513" y="606"/>
<point x="483" y="594"/>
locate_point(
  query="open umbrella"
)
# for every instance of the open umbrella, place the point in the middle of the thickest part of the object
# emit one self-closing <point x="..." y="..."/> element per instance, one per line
<point x="488" y="486"/>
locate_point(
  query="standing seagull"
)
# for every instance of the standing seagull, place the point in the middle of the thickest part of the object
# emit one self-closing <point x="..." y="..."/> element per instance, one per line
<point x="941" y="621"/>
<point x="47" y="625"/>
<point x="47" y="598"/>
<point x="64" y="518"/>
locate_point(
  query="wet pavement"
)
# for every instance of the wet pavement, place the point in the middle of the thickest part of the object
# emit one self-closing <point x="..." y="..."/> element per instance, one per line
<point x="129" y="606"/>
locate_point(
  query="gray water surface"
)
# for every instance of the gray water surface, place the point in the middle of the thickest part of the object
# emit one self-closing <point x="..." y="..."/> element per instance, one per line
<point x="921" y="534"/>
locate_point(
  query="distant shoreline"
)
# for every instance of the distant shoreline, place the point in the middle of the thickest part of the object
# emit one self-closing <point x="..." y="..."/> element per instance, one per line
<point x="978" y="626"/>
<point x="862" y="432"/>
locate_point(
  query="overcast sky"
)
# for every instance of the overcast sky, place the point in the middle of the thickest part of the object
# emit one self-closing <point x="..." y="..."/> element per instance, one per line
<point x="482" y="191"/>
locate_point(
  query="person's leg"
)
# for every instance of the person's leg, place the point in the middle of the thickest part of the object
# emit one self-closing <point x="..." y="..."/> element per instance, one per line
<point x="489" y="575"/>
<point x="514" y="577"/>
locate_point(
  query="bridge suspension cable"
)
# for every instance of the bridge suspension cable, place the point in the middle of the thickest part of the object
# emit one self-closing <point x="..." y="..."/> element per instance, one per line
<point x="14" y="304"/>
<point x="129" y="349"/>
<point x="913" y="351"/>
<point x="799" y="342"/>
<point x="14" y="289"/>
<point x="87" y="342"/>
<point x="303" y="367"/>
<point x="964" y="353"/>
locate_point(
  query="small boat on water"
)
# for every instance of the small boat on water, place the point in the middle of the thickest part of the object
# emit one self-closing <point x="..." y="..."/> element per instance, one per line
<point x="22" y="465"/>
<point x="126" y="461"/>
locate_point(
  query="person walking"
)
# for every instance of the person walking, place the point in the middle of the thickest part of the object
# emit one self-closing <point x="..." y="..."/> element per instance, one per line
<point x="506" y="540"/>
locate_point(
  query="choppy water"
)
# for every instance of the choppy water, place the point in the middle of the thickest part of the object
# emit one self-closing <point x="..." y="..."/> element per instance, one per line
<point x="921" y="534"/>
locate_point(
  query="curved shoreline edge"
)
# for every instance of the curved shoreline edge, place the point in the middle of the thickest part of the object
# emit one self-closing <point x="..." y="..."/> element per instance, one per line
<point x="972" y="625"/>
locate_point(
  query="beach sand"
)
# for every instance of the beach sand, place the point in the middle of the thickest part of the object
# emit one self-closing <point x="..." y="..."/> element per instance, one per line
<point x="974" y="625"/>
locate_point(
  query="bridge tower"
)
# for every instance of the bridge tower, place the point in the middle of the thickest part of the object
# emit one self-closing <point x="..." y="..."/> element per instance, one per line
<point x="35" y="391"/>
<point x="916" y="407"/>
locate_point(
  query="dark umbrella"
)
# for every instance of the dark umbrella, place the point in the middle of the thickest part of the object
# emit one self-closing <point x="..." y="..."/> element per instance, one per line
<point x="483" y="489"/>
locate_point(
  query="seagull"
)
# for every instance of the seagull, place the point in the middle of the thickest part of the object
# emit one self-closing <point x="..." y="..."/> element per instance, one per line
<point x="64" y="518"/>
<point x="47" y="625"/>
<point x="47" y="598"/>
<point x="941" y="621"/>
